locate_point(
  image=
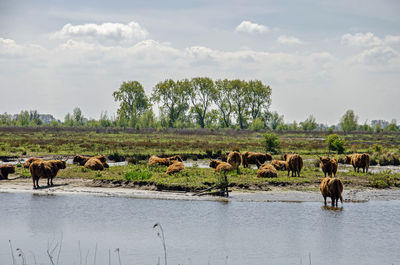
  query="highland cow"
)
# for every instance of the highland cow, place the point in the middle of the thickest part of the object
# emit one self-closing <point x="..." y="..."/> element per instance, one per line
<point x="333" y="188"/>
<point x="155" y="160"/>
<point x="94" y="164"/>
<point x="80" y="159"/>
<point x="254" y="158"/>
<point x="329" y="166"/>
<point x="294" y="164"/>
<point x="45" y="169"/>
<point x="175" y="167"/>
<point x="5" y="170"/>
<point x="358" y="161"/>
<point x="235" y="159"/>
<point x="221" y="166"/>
<point x="29" y="161"/>
<point x="279" y="164"/>
<point x="267" y="171"/>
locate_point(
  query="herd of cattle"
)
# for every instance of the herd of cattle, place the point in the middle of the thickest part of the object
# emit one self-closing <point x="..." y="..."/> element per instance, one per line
<point x="330" y="187"/>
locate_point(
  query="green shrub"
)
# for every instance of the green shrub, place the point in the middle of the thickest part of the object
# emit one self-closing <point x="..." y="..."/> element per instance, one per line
<point x="137" y="173"/>
<point x="271" y="142"/>
<point x="381" y="181"/>
<point x="335" y="143"/>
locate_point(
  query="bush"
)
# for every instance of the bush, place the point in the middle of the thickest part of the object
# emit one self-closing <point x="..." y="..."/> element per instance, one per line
<point x="335" y="143"/>
<point x="381" y="181"/>
<point x="137" y="173"/>
<point x="271" y="142"/>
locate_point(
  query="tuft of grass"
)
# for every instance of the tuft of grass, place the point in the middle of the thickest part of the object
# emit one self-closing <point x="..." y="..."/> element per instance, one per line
<point x="137" y="173"/>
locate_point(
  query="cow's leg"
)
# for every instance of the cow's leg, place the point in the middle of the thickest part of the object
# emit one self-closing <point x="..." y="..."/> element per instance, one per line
<point x="51" y="182"/>
<point x="333" y="201"/>
<point x="354" y="168"/>
<point x="34" y="183"/>
<point x="288" y="172"/>
<point x="37" y="182"/>
<point x="48" y="181"/>
<point x="325" y="200"/>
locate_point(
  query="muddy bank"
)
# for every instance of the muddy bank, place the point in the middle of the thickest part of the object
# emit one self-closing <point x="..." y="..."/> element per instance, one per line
<point x="273" y="194"/>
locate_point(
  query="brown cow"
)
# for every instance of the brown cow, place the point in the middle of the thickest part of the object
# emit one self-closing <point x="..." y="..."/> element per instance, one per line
<point x="329" y="166"/>
<point x="5" y="170"/>
<point x="235" y="159"/>
<point x="279" y="164"/>
<point x="332" y="187"/>
<point x="294" y="163"/>
<point x="221" y="166"/>
<point x="267" y="171"/>
<point x="254" y="158"/>
<point x="45" y="169"/>
<point x="155" y="160"/>
<point x="176" y="166"/>
<point x="358" y="161"/>
<point x="95" y="164"/>
<point x="28" y="162"/>
<point x="81" y="160"/>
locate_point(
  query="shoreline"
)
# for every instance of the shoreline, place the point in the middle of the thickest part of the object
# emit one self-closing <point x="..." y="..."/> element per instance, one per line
<point x="274" y="194"/>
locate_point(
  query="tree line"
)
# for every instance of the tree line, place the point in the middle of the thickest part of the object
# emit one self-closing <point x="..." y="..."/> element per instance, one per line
<point x="199" y="102"/>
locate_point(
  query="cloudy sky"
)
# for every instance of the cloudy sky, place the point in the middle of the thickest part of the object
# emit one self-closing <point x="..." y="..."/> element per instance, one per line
<point x="319" y="57"/>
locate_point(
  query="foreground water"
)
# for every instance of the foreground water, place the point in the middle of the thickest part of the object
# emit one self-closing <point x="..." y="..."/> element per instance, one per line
<point x="198" y="232"/>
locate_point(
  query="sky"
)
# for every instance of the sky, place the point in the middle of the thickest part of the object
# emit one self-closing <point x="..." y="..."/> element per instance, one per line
<point x="319" y="57"/>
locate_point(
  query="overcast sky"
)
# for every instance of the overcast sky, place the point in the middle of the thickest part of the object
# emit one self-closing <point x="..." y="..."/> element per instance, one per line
<point x="319" y="57"/>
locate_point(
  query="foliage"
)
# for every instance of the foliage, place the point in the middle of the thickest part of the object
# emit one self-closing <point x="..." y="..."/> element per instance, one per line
<point x="349" y="120"/>
<point x="335" y="143"/>
<point x="240" y="100"/>
<point x="137" y="173"/>
<point x="201" y="91"/>
<point x="392" y="127"/>
<point x="259" y="97"/>
<point x="257" y="124"/>
<point x="274" y="120"/>
<point x="222" y="99"/>
<point x="309" y="124"/>
<point x="271" y="142"/>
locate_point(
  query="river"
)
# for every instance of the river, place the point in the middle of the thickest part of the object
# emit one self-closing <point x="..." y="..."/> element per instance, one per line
<point x="197" y="232"/>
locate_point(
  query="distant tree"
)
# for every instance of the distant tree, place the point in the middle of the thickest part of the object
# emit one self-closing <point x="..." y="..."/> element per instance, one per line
<point x="309" y="124"/>
<point x="23" y="118"/>
<point x="104" y="121"/>
<point x="271" y="143"/>
<point x="335" y="143"/>
<point x="348" y="122"/>
<point x="173" y="97"/>
<point x="275" y="120"/>
<point x="148" y="119"/>
<point x="68" y="120"/>
<point x="392" y="127"/>
<point x="34" y="118"/>
<point x="201" y="92"/>
<point x="5" y="119"/>
<point x="77" y="117"/>
<point x="257" y="124"/>
<point x="133" y="102"/>
<point x="365" y="127"/>
<point x="212" y="118"/>
<point x="222" y="98"/>
<point x="240" y="100"/>
<point x="259" y="98"/>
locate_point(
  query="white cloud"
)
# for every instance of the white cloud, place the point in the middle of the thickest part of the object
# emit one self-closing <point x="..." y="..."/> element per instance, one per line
<point x="105" y="31"/>
<point x="392" y="39"/>
<point x="288" y="40"/>
<point x="249" y="27"/>
<point x="378" y="55"/>
<point x="361" y="39"/>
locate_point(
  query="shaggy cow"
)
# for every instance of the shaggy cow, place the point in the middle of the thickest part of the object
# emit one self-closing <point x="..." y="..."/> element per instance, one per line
<point x="235" y="159"/>
<point x="95" y="164"/>
<point x="81" y="160"/>
<point x="5" y="170"/>
<point x="329" y="166"/>
<point x="28" y="162"/>
<point x="279" y="164"/>
<point x="254" y="158"/>
<point x="221" y="166"/>
<point x="358" y="161"/>
<point x="155" y="160"/>
<point x="267" y="171"/>
<point x="294" y="164"/>
<point x="45" y="169"/>
<point x="176" y="166"/>
<point x="332" y="187"/>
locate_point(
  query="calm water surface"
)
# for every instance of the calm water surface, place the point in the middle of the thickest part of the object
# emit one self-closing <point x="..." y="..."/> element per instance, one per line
<point x="198" y="232"/>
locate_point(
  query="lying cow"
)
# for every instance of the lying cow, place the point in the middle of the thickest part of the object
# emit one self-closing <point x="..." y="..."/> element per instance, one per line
<point x="267" y="171"/>
<point x="96" y="163"/>
<point x="279" y="164"/>
<point x="28" y="162"/>
<point x="254" y="158"/>
<point x="294" y="163"/>
<point x="155" y="160"/>
<point x="358" y="161"/>
<point x="175" y="167"/>
<point x="329" y="166"/>
<point x="332" y="187"/>
<point x="221" y="166"/>
<point x="45" y="169"/>
<point x="5" y="170"/>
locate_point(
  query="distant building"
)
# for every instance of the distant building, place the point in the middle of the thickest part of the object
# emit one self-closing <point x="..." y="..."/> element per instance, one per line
<point x="383" y="124"/>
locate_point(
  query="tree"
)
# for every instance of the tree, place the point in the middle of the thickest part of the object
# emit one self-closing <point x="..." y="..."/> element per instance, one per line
<point x="77" y="117"/>
<point x="259" y="98"/>
<point x="309" y="124"/>
<point x="173" y="97"/>
<point x="133" y="102"/>
<point x="68" y="120"/>
<point x="392" y="127"/>
<point x="271" y="143"/>
<point x="104" y="121"/>
<point x="222" y="98"/>
<point x="23" y="118"/>
<point x="348" y="122"/>
<point x="240" y="100"/>
<point x="274" y="120"/>
<point x="35" y="118"/>
<point x="5" y="119"/>
<point x="201" y="91"/>
<point x="335" y="143"/>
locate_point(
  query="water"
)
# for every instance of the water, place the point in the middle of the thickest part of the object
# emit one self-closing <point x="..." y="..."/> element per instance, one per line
<point x="199" y="232"/>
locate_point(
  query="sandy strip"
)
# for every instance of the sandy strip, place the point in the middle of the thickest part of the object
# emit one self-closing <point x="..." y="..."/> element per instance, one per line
<point x="85" y="187"/>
